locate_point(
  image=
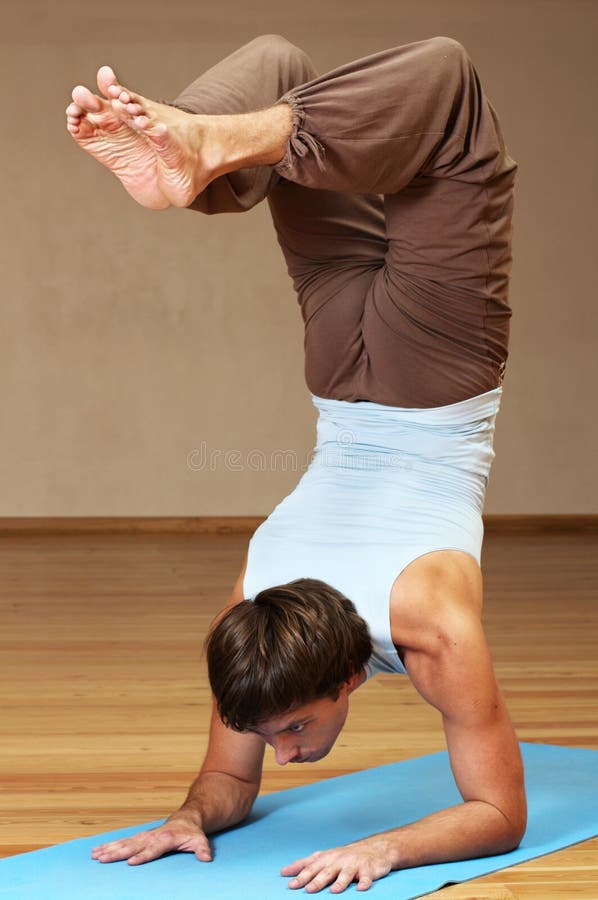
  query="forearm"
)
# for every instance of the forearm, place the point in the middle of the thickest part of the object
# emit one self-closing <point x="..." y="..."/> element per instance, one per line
<point x="216" y="801"/>
<point x="472" y="829"/>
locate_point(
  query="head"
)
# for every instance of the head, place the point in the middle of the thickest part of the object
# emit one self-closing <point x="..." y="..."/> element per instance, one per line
<point x="285" y="664"/>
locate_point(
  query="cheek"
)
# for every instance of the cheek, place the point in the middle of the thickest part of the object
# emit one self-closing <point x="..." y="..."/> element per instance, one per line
<point x="339" y="724"/>
<point x="332" y="733"/>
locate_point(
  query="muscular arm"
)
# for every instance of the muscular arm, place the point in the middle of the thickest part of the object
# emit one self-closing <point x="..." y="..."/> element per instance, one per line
<point x="438" y="615"/>
<point x="229" y="780"/>
<point x="438" y="625"/>
<point x="228" y="783"/>
<point x="222" y="794"/>
<point x="456" y="676"/>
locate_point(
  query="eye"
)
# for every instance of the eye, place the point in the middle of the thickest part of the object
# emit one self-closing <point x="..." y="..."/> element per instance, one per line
<point x="297" y="727"/>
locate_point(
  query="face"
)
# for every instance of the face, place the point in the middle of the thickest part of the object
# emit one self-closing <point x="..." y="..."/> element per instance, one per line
<point x="308" y="733"/>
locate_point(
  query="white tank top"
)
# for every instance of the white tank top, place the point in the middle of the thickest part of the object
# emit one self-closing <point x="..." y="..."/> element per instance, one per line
<point x="385" y="485"/>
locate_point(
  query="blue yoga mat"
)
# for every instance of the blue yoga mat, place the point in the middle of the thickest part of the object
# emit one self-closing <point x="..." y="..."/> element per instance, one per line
<point x="562" y="785"/>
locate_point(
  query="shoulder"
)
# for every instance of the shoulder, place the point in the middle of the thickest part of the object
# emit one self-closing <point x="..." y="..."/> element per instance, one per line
<point x="436" y="621"/>
<point x="435" y="594"/>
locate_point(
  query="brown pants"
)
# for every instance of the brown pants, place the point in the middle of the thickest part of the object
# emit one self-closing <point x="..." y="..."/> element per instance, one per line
<point x="393" y="209"/>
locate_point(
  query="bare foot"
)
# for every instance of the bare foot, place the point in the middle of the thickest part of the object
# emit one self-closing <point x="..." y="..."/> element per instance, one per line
<point x="152" y="148"/>
<point x="185" y="146"/>
<point x="101" y="132"/>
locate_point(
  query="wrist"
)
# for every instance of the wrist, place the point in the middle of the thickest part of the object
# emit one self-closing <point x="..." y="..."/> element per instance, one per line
<point x="189" y="813"/>
<point x="395" y="849"/>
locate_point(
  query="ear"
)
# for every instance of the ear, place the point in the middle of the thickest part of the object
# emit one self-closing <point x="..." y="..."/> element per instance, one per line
<point x="355" y="680"/>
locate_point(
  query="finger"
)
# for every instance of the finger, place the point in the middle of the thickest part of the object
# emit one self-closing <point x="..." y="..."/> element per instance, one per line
<point x="160" y="843"/>
<point x="115" y="846"/>
<point x="325" y="876"/>
<point x="305" y="875"/>
<point x="115" y="850"/>
<point x="204" y="851"/>
<point x="315" y="877"/>
<point x="295" y="867"/>
<point x="344" y="879"/>
<point x="364" y="883"/>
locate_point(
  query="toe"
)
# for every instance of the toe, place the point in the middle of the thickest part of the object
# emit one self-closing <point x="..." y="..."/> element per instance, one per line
<point x="128" y="96"/>
<point x="121" y="110"/>
<point x="107" y="80"/>
<point x="130" y="112"/>
<point x="86" y="100"/>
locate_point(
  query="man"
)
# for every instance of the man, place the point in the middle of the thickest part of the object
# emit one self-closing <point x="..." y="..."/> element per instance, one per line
<point x="391" y="194"/>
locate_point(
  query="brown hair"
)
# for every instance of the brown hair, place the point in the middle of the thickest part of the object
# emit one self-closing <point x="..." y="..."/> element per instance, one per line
<point x="292" y="644"/>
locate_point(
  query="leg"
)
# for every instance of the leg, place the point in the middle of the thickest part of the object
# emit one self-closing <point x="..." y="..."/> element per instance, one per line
<point x="333" y="243"/>
<point x="164" y="156"/>
<point x="250" y="79"/>
<point x="413" y="123"/>
<point x="415" y="314"/>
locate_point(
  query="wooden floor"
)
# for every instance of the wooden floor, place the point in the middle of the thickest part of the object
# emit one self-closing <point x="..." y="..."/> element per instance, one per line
<point x="105" y="700"/>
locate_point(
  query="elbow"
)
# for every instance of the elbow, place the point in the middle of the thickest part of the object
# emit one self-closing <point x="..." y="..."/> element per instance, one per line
<point x="512" y="839"/>
<point x="520" y="819"/>
<point x="510" y="827"/>
<point x="507" y="840"/>
<point x="517" y="826"/>
<point x="519" y="832"/>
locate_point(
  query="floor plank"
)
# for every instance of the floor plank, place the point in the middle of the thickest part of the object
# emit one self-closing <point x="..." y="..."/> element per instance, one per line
<point x="105" y="703"/>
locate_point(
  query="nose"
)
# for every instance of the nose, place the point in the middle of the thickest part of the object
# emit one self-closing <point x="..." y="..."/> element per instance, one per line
<point x="285" y="752"/>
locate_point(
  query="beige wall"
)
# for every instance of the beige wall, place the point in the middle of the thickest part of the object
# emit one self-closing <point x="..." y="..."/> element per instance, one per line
<point x="129" y="338"/>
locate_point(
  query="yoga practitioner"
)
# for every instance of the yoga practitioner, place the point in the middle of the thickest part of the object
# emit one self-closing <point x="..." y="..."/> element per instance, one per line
<point x="391" y="193"/>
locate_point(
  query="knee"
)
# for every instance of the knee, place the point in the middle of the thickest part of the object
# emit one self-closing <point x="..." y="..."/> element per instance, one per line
<point x="275" y="43"/>
<point x="447" y="59"/>
<point x="290" y="58"/>
<point x="446" y="63"/>
<point x="449" y="48"/>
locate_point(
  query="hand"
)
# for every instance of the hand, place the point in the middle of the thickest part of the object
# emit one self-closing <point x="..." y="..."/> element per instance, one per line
<point x="179" y="832"/>
<point x="363" y="861"/>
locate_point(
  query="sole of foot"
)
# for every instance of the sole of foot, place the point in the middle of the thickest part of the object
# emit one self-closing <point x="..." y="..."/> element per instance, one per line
<point x="154" y="150"/>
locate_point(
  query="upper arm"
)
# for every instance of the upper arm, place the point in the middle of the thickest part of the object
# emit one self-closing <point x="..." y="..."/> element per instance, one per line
<point x="453" y="671"/>
<point x="237" y="754"/>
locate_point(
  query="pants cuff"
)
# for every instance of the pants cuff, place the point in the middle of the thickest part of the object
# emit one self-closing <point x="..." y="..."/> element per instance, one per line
<point x="300" y="141"/>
